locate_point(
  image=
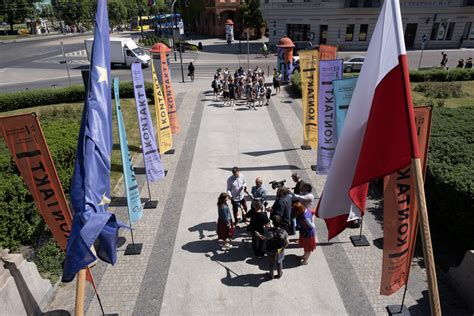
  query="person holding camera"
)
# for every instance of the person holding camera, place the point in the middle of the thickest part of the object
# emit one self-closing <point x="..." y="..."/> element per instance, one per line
<point x="235" y="189"/>
<point x="282" y="206"/>
<point x="305" y="197"/>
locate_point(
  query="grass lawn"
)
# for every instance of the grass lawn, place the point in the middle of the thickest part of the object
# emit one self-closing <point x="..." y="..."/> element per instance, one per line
<point x="74" y="112"/>
<point x="466" y="100"/>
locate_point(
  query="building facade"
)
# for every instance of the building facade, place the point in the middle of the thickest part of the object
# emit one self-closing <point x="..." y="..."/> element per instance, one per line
<point x="349" y="24"/>
<point x="212" y="19"/>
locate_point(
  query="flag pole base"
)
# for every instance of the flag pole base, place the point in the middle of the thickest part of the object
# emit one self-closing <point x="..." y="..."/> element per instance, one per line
<point x="397" y="310"/>
<point x="314" y="167"/>
<point x="120" y="201"/>
<point x="150" y="204"/>
<point x="359" y="241"/>
<point x="133" y="249"/>
<point x="305" y="147"/>
<point x="169" y="152"/>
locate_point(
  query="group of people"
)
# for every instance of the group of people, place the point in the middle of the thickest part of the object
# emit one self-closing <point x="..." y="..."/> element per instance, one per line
<point x="241" y="85"/>
<point x="269" y="226"/>
<point x="461" y="63"/>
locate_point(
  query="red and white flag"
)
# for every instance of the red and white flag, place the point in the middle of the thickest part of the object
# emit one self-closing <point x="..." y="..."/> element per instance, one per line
<point x="379" y="136"/>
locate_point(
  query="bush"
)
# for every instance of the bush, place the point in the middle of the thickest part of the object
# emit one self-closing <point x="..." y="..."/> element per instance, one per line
<point x="440" y="90"/>
<point x="442" y="75"/>
<point x="450" y="180"/>
<point x="151" y="40"/>
<point x="75" y="93"/>
<point x="296" y="83"/>
<point x="49" y="260"/>
<point x="194" y="48"/>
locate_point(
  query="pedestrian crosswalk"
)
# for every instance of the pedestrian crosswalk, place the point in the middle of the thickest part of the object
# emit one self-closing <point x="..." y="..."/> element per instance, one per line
<point x="81" y="53"/>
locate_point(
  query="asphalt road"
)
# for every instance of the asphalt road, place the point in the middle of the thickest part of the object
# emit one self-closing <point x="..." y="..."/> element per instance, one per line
<point x="37" y="63"/>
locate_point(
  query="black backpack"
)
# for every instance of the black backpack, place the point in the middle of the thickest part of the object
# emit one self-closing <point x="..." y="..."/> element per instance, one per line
<point x="213" y="84"/>
<point x="277" y="240"/>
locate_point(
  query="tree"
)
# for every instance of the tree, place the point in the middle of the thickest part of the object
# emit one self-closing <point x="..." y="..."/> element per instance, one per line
<point x="118" y="12"/>
<point x="251" y="15"/>
<point x="73" y="12"/>
<point x="16" y="11"/>
<point x="191" y="11"/>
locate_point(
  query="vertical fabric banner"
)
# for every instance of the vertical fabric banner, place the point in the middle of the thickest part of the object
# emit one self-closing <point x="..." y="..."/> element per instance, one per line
<point x="169" y="95"/>
<point x="309" y="89"/>
<point x="153" y="165"/>
<point x="400" y="210"/>
<point x="165" y="138"/>
<point x="329" y="70"/>
<point x="135" y="211"/>
<point x="343" y="89"/>
<point x="327" y="52"/>
<point x="25" y="140"/>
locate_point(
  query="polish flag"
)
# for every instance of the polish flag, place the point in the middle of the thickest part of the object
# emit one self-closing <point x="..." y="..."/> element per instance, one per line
<point x="379" y="135"/>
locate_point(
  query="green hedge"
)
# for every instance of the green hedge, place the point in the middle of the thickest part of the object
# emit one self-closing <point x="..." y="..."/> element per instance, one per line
<point x="151" y="40"/>
<point x="75" y="93"/>
<point x="450" y="178"/>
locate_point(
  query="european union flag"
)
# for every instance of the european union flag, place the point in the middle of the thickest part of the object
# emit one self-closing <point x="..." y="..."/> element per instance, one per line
<point x="90" y="188"/>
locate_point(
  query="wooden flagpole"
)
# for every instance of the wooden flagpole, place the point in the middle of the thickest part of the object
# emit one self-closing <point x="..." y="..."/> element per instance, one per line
<point x="426" y="239"/>
<point x="80" y="292"/>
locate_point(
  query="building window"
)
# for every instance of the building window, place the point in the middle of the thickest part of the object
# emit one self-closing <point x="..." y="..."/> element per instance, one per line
<point x="434" y="31"/>
<point x="363" y="32"/>
<point x="353" y="3"/>
<point x="449" y="33"/>
<point x="349" y="32"/>
<point x="298" y="32"/>
<point x="289" y="1"/>
<point x="467" y="29"/>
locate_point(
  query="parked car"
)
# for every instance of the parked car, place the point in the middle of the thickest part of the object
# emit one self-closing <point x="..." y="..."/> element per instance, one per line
<point x="353" y="63"/>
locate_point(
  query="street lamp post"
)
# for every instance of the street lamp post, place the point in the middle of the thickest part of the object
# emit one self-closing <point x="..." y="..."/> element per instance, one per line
<point x="180" y="44"/>
<point x="248" y="50"/>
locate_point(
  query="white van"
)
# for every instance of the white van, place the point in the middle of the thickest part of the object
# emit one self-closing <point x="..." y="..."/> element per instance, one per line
<point x="122" y="51"/>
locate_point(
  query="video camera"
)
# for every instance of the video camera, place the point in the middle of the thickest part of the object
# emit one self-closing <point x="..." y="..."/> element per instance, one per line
<point x="277" y="184"/>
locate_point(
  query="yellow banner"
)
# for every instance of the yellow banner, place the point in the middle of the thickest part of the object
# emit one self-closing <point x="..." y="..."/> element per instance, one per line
<point x="309" y="63"/>
<point x="168" y="92"/>
<point x="165" y="139"/>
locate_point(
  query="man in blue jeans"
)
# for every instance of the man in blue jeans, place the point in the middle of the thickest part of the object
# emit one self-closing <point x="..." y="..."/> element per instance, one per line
<point x="236" y="186"/>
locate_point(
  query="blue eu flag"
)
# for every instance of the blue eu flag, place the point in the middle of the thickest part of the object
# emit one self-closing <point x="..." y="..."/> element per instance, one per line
<point x="90" y="188"/>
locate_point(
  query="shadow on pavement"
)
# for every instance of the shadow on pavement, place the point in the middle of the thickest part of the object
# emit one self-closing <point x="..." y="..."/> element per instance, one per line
<point x="263" y="168"/>
<point x="267" y="152"/>
<point x="59" y="312"/>
<point x="209" y="226"/>
<point x="245" y="280"/>
<point x="218" y="105"/>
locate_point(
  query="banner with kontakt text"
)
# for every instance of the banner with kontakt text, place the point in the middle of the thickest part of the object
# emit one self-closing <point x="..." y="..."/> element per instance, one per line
<point x="165" y="138"/>
<point x="169" y="95"/>
<point x="309" y="61"/>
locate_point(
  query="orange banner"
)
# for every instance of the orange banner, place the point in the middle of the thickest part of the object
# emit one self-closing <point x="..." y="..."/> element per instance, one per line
<point x="24" y="138"/>
<point x="400" y="222"/>
<point x="169" y="95"/>
<point x="327" y="52"/>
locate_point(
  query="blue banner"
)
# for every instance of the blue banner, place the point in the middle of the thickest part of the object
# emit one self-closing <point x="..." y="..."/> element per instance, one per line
<point x="135" y="211"/>
<point x="329" y="70"/>
<point x="153" y="165"/>
<point x="343" y="89"/>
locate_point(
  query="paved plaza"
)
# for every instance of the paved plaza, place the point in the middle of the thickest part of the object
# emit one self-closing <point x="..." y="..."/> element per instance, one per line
<point x="183" y="271"/>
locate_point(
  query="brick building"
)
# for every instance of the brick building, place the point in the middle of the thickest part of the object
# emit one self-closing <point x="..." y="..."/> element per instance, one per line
<point x="211" y="21"/>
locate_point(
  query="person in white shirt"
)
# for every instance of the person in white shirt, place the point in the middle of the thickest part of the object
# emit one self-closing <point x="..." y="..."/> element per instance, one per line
<point x="236" y="186"/>
<point x="306" y="197"/>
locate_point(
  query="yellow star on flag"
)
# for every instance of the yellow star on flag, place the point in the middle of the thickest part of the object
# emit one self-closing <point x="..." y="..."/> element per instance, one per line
<point x="102" y="75"/>
<point x="105" y="200"/>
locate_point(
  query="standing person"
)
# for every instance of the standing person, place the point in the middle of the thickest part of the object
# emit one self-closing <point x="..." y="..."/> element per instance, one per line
<point x="215" y="87"/>
<point x="258" y="221"/>
<point x="225" y="90"/>
<point x="232" y="89"/>
<point x="460" y="63"/>
<point x="268" y="95"/>
<point x="276" y="81"/>
<point x="191" y="71"/>
<point x="225" y="227"/>
<point x="444" y="59"/>
<point x="235" y="189"/>
<point x="298" y="183"/>
<point x="282" y="206"/>
<point x="259" y="192"/>
<point x="307" y="231"/>
<point x="306" y="197"/>
<point x="276" y="241"/>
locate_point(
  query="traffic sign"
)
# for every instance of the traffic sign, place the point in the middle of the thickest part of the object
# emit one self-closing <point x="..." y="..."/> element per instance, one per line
<point x="424" y="38"/>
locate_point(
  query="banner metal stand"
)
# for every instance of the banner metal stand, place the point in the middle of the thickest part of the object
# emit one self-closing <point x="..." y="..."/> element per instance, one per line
<point x="133" y="248"/>
<point x="399" y="310"/>
<point x="359" y="240"/>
